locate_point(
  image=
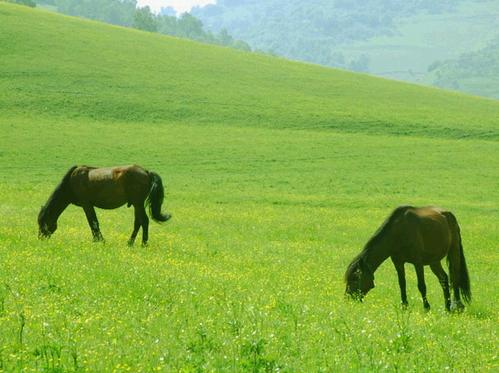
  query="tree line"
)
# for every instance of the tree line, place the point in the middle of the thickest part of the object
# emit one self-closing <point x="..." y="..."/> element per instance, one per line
<point x="315" y="30"/>
<point x="473" y="72"/>
<point x="126" y="13"/>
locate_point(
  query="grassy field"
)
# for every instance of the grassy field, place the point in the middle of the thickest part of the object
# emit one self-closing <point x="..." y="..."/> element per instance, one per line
<point x="276" y="174"/>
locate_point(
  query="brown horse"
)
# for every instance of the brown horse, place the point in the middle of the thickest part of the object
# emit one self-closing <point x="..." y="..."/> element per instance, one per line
<point x="106" y="188"/>
<point x="420" y="236"/>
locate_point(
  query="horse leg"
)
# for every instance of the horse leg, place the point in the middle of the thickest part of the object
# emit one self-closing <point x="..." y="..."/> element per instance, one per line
<point x="444" y="282"/>
<point x="421" y="284"/>
<point x="399" y="266"/>
<point x="144" y="221"/>
<point x="136" y="225"/>
<point x="459" y="306"/>
<point x="93" y="222"/>
<point x="145" y="229"/>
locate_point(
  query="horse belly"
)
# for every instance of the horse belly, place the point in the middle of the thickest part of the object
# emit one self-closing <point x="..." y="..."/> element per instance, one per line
<point x="436" y="241"/>
<point x="106" y="193"/>
<point x="107" y="205"/>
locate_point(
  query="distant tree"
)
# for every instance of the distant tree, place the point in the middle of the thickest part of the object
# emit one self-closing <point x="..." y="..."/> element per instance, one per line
<point x="241" y="45"/>
<point x="311" y="30"/>
<point x="191" y="27"/>
<point x="224" y="37"/>
<point x="118" y="12"/>
<point x="143" y="19"/>
<point x="126" y="13"/>
<point x="435" y="65"/>
<point x="168" y="11"/>
<point x="167" y="25"/>
<point x="361" y="64"/>
<point x="473" y="72"/>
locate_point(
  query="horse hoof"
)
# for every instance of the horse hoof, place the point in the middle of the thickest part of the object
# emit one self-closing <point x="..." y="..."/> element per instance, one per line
<point x="457" y="307"/>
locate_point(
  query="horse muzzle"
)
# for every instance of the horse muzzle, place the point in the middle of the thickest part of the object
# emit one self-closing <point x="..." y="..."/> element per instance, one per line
<point x="43" y="235"/>
<point x="354" y="295"/>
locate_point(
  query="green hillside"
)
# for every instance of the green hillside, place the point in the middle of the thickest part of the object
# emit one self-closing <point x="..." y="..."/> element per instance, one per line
<point x="276" y="174"/>
<point x="395" y="39"/>
<point x="140" y="77"/>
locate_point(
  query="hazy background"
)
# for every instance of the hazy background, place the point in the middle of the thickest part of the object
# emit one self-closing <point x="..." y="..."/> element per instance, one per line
<point x="448" y="43"/>
<point x="180" y="6"/>
<point x="453" y="44"/>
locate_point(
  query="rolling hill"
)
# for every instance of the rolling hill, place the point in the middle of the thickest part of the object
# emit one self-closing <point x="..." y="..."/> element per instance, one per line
<point x="387" y="38"/>
<point x="276" y="173"/>
<point x="75" y="68"/>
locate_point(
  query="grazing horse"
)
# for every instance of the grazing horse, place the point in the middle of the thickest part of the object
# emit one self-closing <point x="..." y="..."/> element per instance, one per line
<point x="106" y="188"/>
<point x="420" y="236"/>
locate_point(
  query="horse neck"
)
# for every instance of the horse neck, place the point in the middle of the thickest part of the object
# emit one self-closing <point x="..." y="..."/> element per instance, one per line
<point x="377" y="254"/>
<point x="57" y="203"/>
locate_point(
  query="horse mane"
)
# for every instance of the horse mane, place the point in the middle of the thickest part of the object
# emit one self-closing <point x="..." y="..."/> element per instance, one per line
<point x="57" y="191"/>
<point x="358" y="261"/>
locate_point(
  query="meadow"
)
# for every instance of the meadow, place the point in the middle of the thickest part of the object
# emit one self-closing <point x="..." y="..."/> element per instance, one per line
<point x="276" y="174"/>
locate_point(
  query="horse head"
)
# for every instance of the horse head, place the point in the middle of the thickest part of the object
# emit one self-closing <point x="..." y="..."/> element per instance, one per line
<point x="46" y="225"/>
<point x="359" y="280"/>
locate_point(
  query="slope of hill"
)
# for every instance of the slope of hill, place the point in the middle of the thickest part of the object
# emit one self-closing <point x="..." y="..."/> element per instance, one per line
<point x="129" y="14"/>
<point x="396" y="39"/>
<point x="75" y="68"/>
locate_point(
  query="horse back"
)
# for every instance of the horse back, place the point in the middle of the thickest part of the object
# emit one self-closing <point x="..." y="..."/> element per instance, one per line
<point x="110" y="187"/>
<point x="428" y="231"/>
<point x="115" y="174"/>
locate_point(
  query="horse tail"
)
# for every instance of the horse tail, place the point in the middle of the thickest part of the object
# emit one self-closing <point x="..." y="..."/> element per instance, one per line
<point x="155" y="198"/>
<point x="464" y="278"/>
<point x="461" y="275"/>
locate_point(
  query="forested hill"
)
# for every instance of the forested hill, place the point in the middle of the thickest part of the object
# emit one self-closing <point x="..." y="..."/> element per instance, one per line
<point x="127" y="13"/>
<point x="474" y="72"/>
<point x="307" y="30"/>
<point x="391" y="38"/>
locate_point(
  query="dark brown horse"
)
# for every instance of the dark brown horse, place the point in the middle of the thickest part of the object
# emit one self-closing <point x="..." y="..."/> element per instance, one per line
<point x="420" y="236"/>
<point x="106" y="188"/>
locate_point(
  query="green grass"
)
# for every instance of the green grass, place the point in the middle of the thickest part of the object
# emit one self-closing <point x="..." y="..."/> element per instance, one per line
<point x="276" y="175"/>
<point x="80" y="69"/>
